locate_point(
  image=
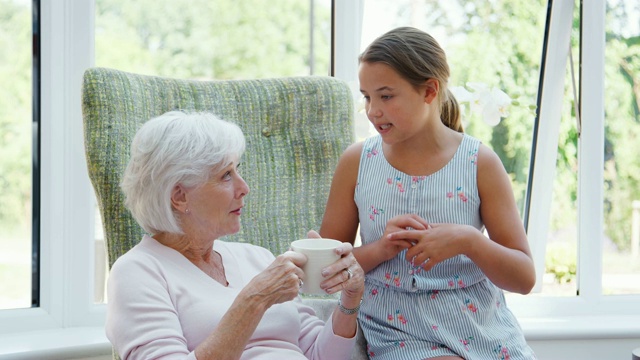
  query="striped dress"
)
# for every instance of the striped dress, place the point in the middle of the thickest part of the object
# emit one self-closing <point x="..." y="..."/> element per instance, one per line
<point x="453" y="309"/>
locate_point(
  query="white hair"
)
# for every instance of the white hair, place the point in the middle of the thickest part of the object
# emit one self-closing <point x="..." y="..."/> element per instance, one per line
<point x="171" y="149"/>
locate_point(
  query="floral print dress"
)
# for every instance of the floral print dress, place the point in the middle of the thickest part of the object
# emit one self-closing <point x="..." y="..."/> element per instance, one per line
<point x="453" y="309"/>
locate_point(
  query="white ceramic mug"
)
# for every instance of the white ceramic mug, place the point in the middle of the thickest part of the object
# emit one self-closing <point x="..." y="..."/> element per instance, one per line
<point x="320" y="254"/>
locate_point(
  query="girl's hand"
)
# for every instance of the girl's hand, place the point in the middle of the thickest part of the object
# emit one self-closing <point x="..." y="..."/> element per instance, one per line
<point x="436" y="243"/>
<point x="390" y="247"/>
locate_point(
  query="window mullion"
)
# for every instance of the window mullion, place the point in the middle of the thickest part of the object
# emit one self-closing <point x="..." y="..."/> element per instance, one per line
<point x="347" y="36"/>
<point x="547" y="134"/>
<point x="78" y="209"/>
<point x="591" y="150"/>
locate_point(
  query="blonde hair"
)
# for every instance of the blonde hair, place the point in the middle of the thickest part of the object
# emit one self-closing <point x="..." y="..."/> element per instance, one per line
<point x="416" y="56"/>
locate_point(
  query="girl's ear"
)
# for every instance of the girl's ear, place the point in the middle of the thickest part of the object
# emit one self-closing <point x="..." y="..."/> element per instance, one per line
<point x="179" y="198"/>
<point x="431" y="89"/>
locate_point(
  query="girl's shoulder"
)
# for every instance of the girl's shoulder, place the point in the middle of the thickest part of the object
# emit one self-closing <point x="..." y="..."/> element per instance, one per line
<point x="351" y="155"/>
<point x="488" y="156"/>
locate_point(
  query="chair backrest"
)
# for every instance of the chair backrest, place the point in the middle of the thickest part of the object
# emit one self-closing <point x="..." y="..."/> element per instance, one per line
<point x="295" y="127"/>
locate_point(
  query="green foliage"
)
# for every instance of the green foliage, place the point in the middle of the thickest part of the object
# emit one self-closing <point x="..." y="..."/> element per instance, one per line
<point x="211" y="39"/>
<point x="560" y="260"/>
<point x="622" y="164"/>
<point x="492" y="55"/>
<point x="15" y="114"/>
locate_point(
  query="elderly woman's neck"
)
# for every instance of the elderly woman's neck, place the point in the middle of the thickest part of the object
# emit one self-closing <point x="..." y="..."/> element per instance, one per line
<point x="195" y="250"/>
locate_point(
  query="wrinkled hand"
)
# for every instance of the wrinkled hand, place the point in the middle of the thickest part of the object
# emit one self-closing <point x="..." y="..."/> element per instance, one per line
<point x="279" y="282"/>
<point x="430" y="246"/>
<point x="395" y="225"/>
<point x="344" y="275"/>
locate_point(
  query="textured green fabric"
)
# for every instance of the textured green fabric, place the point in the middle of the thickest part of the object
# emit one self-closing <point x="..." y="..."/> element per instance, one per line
<point x="295" y="128"/>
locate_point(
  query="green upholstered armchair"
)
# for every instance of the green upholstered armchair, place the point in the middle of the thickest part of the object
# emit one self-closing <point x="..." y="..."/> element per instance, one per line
<point x="295" y="129"/>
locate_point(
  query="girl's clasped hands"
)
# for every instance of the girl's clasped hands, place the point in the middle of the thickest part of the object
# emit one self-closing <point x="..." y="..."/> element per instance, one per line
<point x="427" y="243"/>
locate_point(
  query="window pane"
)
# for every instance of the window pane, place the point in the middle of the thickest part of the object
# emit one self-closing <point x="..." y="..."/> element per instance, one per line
<point x="223" y="39"/>
<point x="15" y="154"/>
<point x="561" y="256"/>
<point x="621" y="253"/>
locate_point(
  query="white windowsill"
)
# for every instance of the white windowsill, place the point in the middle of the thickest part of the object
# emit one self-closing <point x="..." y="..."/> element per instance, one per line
<point x="91" y="341"/>
<point x="59" y="344"/>
<point x="581" y="327"/>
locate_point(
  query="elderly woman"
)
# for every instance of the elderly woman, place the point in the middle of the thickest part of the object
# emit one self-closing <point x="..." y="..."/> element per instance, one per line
<point x="182" y="293"/>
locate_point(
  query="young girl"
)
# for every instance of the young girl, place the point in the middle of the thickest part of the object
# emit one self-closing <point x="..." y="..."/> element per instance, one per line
<point x="422" y="193"/>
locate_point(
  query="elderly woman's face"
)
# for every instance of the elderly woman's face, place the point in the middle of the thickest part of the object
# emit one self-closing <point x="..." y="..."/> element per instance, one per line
<point x="216" y="206"/>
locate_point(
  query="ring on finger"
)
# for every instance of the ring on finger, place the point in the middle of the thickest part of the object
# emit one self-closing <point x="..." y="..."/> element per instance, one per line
<point x="300" y="282"/>
<point x="349" y="274"/>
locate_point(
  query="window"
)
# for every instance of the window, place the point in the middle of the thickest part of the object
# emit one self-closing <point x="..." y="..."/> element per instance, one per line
<point x="15" y="156"/>
<point x="621" y="208"/>
<point x="572" y="224"/>
<point x="201" y="44"/>
<point x="65" y="285"/>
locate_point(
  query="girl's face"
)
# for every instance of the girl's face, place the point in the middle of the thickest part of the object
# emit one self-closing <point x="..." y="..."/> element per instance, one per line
<point x="393" y="105"/>
<point x="216" y="206"/>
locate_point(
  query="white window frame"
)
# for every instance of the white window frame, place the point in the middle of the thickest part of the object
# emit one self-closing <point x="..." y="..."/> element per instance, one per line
<point x="68" y="323"/>
<point x="67" y="319"/>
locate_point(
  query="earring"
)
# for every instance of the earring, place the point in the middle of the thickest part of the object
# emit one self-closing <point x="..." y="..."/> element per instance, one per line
<point x="187" y="211"/>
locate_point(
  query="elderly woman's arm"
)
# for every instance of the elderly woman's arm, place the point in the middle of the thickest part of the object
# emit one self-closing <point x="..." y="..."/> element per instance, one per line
<point x="233" y="332"/>
<point x="345" y="276"/>
<point x="276" y="284"/>
<point x="142" y="318"/>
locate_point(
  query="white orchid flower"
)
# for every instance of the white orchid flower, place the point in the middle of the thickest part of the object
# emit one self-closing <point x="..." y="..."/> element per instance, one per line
<point x="461" y="94"/>
<point x="502" y="99"/>
<point x="495" y="106"/>
<point x="481" y="96"/>
<point x="491" y="103"/>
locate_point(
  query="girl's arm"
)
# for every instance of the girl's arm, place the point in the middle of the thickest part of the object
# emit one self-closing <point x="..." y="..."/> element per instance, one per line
<point x="340" y="219"/>
<point x="505" y="256"/>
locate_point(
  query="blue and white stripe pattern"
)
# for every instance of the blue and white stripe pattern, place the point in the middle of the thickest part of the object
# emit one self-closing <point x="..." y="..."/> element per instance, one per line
<point x="453" y="309"/>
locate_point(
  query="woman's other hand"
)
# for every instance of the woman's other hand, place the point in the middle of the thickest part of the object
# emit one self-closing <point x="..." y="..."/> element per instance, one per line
<point x="344" y="275"/>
